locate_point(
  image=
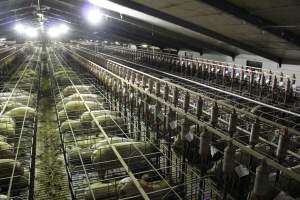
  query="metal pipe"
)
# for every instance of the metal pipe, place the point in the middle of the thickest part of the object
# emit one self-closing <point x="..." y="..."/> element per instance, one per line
<point x="246" y="149"/>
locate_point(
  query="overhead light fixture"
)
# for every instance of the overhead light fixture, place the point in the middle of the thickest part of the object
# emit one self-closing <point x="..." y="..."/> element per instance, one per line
<point x="144" y="45"/>
<point x="53" y="32"/>
<point x="94" y="16"/>
<point x="28" y="31"/>
<point x="63" y="28"/>
<point x="19" y="28"/>
<point x="57" y="31"/>
<point x="31" y="32"/>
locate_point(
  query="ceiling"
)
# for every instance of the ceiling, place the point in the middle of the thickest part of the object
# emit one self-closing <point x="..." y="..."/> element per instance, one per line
<point x="268" y="28"/>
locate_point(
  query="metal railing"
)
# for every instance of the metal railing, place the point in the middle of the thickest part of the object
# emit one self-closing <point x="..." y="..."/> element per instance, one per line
<point x="131" y="80"/>
<point x="18" y="118"/>
<point x="87" y="169"/>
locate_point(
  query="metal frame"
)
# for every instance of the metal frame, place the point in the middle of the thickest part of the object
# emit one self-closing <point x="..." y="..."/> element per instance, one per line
<point x="87" y="168"/>
<point x="100" y="72"/>
<point x="210" y="95"/>
<point x="197" y="79"/>
<point x="24" y="132"/>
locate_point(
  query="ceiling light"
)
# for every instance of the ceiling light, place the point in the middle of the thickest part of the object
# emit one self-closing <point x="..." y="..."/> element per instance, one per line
<point x="19" y="28"/>
<point x="63" y="28"/>
<point x="31" y="32"/>
<point x="94" y="16"/>
<point x="56" y="31"/>
<point x="53" y="32"/>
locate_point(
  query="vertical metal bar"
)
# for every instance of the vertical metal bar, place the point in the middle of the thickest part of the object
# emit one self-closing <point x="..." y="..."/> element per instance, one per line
<point x="186" y="102"/>
<point x="157" y="130"/>
<point x="232" y="123"/>
<point x="139" y="121"/>
<point x="146" y="115"/>
<point x="132" y="104"/>
<point x="33" y="147"/>
<point x="274" y="88"/>
<point x="183" y="172"/>
<point x="287" y="91"/>
<point x="214" y="115"/>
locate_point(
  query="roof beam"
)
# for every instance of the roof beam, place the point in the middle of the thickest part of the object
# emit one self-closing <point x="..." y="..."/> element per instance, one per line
<point x="191" y="26"/>
<point x="178" y="38"/>
<point x="78" y="28"/>
<point x="183" y="40"/>
<point x="163" y="39"/>
<point x="13" y="5"/>
<point x="23" y="17"/>
<point x="159" y="35"/>
<point x="139" y="35"/>
<point x="257" y="21"/>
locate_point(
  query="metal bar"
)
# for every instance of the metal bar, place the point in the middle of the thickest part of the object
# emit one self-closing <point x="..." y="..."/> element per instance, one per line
<point x="148" y="162"/>
<point x="122" y="161"/>
<point x="197" y="60"/>
<point x="22" y="130"/>
<point x="251" y="115"/>
<point x="96" y="69"/>
<point x="33" y="155"/>
<point x="213" y="88"/>
<point x="80" y="156"/>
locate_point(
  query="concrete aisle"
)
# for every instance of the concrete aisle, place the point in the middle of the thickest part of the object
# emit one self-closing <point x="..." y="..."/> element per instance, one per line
<point x="51" y="178"/>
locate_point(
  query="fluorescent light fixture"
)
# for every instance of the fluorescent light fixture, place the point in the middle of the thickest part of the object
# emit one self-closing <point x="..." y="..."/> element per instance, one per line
<point x="57" y="31"/>
<point x="27" y="30"/>
<point x="63" y="28"/>
<point x="19" y="28"/>
<point x="53" y="32"/>
<point x="42" y="27"/>
<point x="2" y="39"/>
<point x="94" y="16"/>
<point x="31" y="32"/>
<point x="117" y="43"/>
<point x="144" y="45"/>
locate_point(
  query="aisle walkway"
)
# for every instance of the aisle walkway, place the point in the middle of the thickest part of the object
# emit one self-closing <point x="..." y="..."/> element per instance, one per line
<point x="51" y="177"/>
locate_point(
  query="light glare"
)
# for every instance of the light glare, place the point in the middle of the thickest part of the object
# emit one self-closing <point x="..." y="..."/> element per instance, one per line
<point x="53" y="32"/>
<point x="31" y="32"/>
<point x="19" y="28"/>
<point x="63" y="28"/>
<point x="94" y="16"/>
<point x="57" y="31"/>
<point x="27" y="30"/>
